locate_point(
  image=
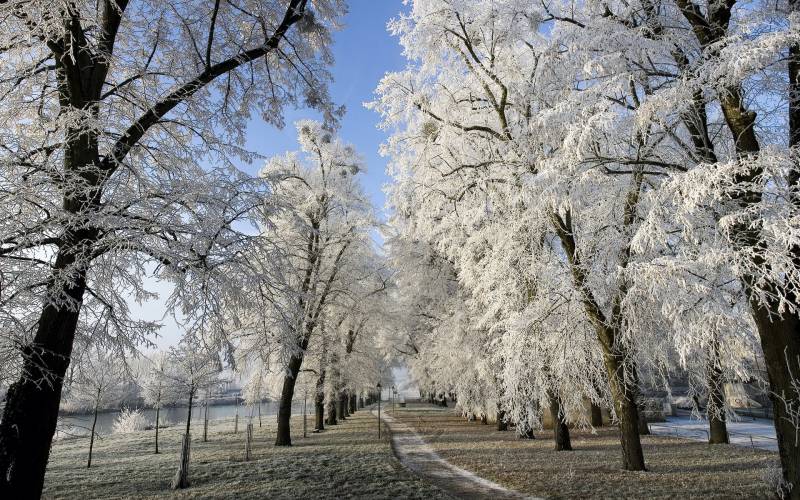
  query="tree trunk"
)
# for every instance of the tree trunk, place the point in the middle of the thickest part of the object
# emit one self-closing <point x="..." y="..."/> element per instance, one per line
<point x="353" y="404"/>
<point x="181" y="479"/>
<point x="284" y="437"/>
<point x="560" y="429"/>
<point x="340" y="406"/>
<point x="780" y="343"/>
<point x="624" y="395"/>
<point x="644" y="429"/>
<point x="331" y="417"/>
<point x="189" y="415"/>
<point x="502" y="425"/>
<point x="91" y="436"/>
<point x="528" y="434"/>
<point x="597" y="415"/>
<point x="158" y="410"/>
<point x="31" y="410"/>
<point x="319" y="403"/>
<point x="715" y="409"/>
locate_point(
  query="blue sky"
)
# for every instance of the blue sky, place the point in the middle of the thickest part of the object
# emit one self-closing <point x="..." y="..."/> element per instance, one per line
<point x="363" y="51"/>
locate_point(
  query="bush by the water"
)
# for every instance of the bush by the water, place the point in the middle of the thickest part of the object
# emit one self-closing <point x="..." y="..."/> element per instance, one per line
<point x="129" y="421"/>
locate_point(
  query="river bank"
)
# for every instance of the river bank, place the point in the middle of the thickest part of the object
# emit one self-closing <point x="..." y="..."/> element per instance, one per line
<point x="347" y="460"/>
<point x="79" y="424"/>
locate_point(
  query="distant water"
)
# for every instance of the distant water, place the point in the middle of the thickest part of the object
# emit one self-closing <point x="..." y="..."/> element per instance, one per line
<point x="78" y="425"/>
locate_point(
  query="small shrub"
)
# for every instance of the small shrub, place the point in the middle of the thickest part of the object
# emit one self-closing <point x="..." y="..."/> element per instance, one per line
<point x="129" y="421"/>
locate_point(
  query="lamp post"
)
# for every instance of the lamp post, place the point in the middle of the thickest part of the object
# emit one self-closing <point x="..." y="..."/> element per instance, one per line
<point x="394" y="398"/>
<point x="379" y="410"/>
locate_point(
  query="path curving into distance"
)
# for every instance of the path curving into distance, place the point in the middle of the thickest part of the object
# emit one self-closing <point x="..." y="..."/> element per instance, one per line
<point x="414" y="453"/>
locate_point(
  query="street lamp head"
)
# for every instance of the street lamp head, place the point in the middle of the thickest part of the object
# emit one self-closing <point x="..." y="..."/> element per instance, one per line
<point x="379" y="385"/>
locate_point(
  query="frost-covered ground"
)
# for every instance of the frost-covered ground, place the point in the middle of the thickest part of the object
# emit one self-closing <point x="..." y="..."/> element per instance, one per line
<point x="757" y="433"/>
<point x="678" y="468"/>
<point x="347" y="461"/>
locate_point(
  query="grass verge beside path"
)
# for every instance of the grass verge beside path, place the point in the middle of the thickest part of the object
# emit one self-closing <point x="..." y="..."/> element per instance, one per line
<point x="678" y="468"/>
<point x="345" y="461"/>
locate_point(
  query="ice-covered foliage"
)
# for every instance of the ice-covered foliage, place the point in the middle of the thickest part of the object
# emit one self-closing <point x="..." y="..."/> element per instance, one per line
<point x="603" y="192"/>
<point x="128" y="421"/>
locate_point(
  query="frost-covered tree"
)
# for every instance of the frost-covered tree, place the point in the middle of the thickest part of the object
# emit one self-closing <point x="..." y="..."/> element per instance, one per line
<point x="157" y="386"/>
<point x="98" y="383"/>
<point x="531" y="142"/>
<point x="106" y="109"/>
<point x="322" y="234"/>
<point x="193" y="368"/>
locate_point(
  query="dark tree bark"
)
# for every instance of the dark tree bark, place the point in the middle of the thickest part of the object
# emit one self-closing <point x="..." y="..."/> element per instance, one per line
<point x="597" y="415"/>
<point x="31" y="410"/>
<point x="715" y="410"/>
<point x="353" y="403"/>
<point x="560" y="429"/>
<point x="644" y="429"/>
<point x="341" y="405"/>
<point x="502" y="425"/>
<point x="331" y="418"/>
<point x="319" y="403"/>
<point x="284" y="436"/>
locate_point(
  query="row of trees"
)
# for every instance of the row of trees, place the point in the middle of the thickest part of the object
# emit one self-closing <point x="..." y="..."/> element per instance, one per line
<point x="591" y="197"/>
<point x="121" y="123"/>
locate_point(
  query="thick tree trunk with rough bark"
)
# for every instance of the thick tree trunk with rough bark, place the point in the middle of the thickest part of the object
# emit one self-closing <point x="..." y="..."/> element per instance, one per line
<point x="715" y="409"/>
<point x="628" y="416"/>
<point x="284" y="437"/>
<point x="330" y="419"/>
<point x="560" y="430"/>
<point x="502" y="425"/>
<point x="341" y="405"/>
<point x="353" y="404"/>
<point x="319" y="403"/>
<point x="644" y="428"/>
<point x="596" y="415"/>
<point x="31" y="410"/>
<point x="780" y="341"/>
